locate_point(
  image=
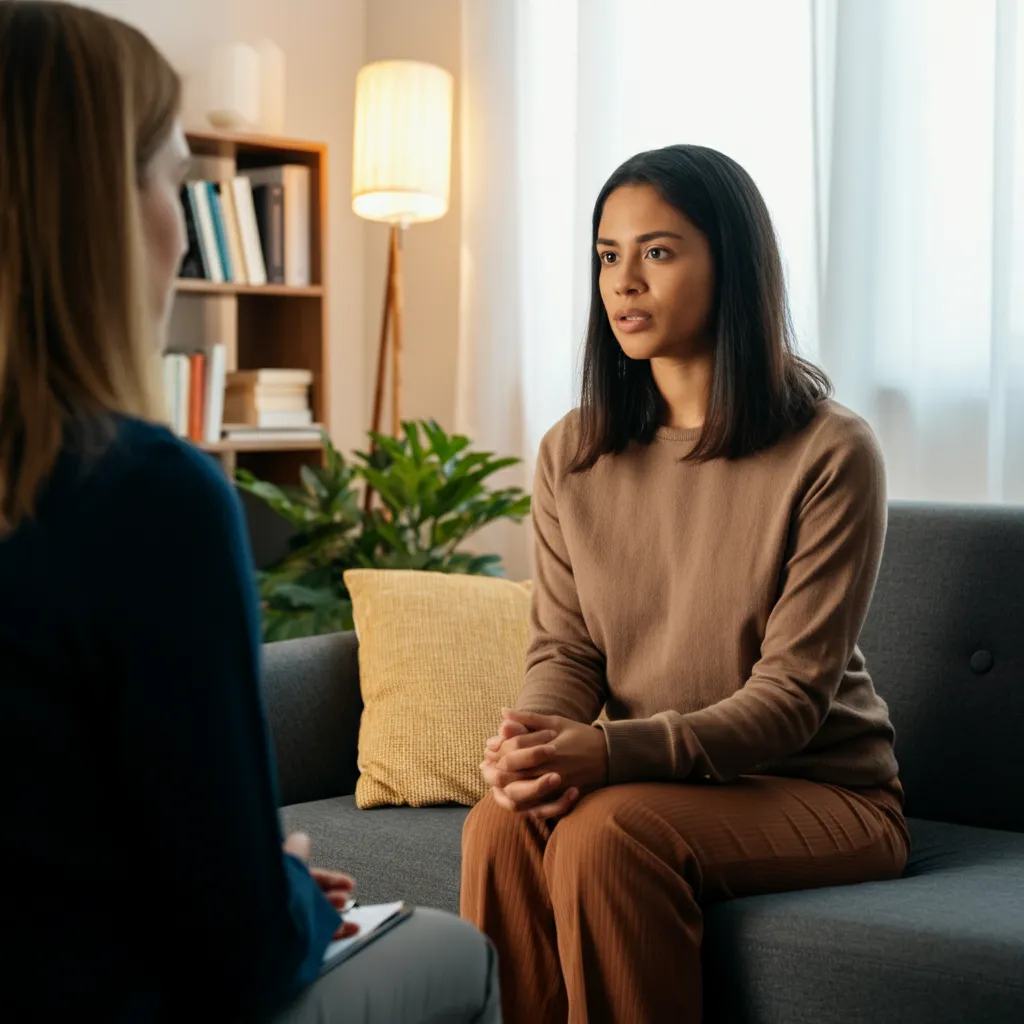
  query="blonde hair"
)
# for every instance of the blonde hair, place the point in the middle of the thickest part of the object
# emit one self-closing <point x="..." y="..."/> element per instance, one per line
<point x="85" y="102"/>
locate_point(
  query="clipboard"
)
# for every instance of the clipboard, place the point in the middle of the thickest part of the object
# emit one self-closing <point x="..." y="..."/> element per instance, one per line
<point x="373" y="922"/>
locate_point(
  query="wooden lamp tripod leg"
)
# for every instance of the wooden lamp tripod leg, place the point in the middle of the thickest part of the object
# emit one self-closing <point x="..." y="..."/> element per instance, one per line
<point x="382" y="351"/>
<point x="391" y="319"/>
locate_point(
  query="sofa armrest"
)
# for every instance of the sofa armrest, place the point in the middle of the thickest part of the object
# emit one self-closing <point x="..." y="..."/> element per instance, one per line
<point x="311" y="692"/>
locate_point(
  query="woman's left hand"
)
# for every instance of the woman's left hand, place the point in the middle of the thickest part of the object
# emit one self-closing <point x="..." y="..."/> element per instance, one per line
<point x="577" y="754"/>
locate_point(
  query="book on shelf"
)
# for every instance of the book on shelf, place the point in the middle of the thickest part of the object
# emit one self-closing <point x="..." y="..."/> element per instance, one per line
<point x="242" y="434"/>
<point x="295" y="183"/>
<point x="194" y="264"/>
<point x="218" y="230"/>
<point x="232" y="232"/>
<point x="196" y="395"/>
<point x="269" y="203"/>
<point x="270" y="376"/>
<point x="269" y="398"/>
<point x="287" y="419"/>
<point x="207" y="232"/>
<point x="194" y="385"/>
<point x="255" y="268"/>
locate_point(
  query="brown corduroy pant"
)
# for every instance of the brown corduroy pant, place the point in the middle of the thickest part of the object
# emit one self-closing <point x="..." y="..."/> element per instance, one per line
<point x="598" y="917"/>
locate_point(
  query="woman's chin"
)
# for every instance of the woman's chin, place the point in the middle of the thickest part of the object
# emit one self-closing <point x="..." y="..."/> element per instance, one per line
<point x="639" y="348"/>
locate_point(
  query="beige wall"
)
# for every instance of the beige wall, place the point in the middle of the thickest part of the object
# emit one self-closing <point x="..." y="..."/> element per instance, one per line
<point x="425" y="30"/>
<point x="324" y="42"/>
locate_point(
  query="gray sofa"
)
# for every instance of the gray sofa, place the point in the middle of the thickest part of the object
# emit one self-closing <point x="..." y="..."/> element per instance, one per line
<point x="943" y="945"/>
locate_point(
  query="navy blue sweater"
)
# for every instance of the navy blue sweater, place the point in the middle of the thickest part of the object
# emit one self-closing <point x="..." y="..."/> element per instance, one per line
<point x="143" y="877"/>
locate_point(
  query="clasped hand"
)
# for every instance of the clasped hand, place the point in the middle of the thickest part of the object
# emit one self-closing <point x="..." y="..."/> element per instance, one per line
<point x="541" y="764"/>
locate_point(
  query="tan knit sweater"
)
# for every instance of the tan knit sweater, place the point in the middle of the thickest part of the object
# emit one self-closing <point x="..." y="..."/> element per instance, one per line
<point x="714" y="607"/>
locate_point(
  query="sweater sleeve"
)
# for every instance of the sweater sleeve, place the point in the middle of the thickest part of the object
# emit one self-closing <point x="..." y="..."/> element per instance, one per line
<point x="828" y="578"/>
<point x="565" y="671"/>
<point x="175" y="579"/>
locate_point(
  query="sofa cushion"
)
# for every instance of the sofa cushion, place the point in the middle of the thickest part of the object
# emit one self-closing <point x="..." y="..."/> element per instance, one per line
<point x="944" y="643"/>
<point x="439" y="656"/>
<point x="311" y="690"/>
<point x="942" y="945"/>
<point x="394" y="853"/>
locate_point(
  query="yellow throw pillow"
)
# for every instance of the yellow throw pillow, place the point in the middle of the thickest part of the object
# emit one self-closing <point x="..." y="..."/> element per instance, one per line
<point x="439" y="657"/>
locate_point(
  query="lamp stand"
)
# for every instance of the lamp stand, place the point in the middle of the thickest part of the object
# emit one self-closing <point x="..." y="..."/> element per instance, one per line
<point x="391" y="322"/>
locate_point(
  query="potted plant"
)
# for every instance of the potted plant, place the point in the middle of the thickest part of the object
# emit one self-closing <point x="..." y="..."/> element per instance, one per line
<point x="433" y="495"/>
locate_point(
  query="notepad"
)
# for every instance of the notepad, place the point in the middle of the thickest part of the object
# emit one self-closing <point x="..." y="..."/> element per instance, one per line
<point x="373" y="921"/>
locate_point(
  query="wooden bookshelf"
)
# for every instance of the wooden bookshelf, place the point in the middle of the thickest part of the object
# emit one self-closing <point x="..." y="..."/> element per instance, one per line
<point x="197" y="286"/>
<point x="227" y="446"/>
<point x="268" y="325"/>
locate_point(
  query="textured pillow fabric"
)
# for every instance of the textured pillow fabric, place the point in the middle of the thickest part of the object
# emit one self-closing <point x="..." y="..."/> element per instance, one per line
<point x="439" y="657"/>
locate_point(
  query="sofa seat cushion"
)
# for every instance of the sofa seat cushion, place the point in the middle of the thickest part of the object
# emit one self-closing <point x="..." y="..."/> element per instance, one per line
<point x="394" y="853"/>
<point x="943" y="944"/>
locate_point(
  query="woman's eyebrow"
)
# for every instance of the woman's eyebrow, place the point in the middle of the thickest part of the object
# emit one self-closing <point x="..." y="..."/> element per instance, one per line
<point x="640" y="239"/>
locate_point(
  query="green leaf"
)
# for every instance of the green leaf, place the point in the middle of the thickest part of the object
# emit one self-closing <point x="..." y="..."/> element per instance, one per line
<point x="311" y="477"/>
<point x="412" y="435"/>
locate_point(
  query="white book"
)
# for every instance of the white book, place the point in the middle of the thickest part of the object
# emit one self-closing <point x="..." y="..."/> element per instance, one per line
<point x="233" y="233"/>
<point x="255" y="268"/>
<point x="295" y="180"/>
<point x="254" y="435"/>
<point x="269" y="377"/>
<point x="288" y="419"/>
<point x="169" y="379"/>
<point x="216" y="374"/>
<point x="207" y="232"/>
<point x="182" y="393"/>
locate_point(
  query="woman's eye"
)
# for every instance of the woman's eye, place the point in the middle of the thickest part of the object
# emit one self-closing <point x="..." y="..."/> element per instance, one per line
<point x="608" y="258"/>
<point x="657" y="252"/>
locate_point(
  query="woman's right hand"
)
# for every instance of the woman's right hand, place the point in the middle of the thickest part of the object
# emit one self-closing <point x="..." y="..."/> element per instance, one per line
<point x="336" y="887"/>
<point x="543" y="796"/>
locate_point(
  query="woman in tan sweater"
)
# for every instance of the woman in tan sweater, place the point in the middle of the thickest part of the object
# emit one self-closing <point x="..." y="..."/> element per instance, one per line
<point x="709" y="526"/>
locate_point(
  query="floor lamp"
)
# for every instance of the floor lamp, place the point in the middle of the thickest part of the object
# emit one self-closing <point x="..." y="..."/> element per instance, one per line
<point x="401" y="169"/>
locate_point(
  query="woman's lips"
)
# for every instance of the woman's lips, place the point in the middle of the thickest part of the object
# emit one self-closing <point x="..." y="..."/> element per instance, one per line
<point x="631" y="323"/>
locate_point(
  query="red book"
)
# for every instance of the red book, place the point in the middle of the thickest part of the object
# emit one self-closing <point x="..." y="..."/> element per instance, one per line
<point x="197" y="397"/>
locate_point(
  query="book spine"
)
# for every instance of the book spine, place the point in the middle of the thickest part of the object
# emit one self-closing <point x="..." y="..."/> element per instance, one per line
<point x="270" y="377"/>
<point x="247" y="225"/>
<point x="230" y="211"/>
<point x="296" y="225"/>
<point x="207" y="234"/>
<point x="269" y="202"/>
<point x="169" y="379"/>
<point x="181" y="393"/>
<point x="194" y="263"/>
<point x="216" y="374"/>
<point x="196" y="398"/>
<point x="218" y="228"/>
<point x="281" y="420"/>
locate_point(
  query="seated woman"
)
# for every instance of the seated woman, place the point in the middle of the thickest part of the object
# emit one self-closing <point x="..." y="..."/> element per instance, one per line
<point x="709" y="526"/>
<point x="144" y="875"/>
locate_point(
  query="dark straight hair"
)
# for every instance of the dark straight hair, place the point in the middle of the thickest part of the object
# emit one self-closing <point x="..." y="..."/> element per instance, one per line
<point x="760" y="388"/>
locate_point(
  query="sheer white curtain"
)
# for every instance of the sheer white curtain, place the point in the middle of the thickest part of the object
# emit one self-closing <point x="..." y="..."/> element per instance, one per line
<point x="888" y="139"/>
<point x="921" y="247"/>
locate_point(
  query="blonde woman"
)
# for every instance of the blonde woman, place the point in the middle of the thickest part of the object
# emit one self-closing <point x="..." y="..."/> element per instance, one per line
<point x="145" y="877"/>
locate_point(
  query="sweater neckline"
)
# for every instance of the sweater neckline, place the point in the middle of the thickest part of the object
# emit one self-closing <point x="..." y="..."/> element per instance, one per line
<point x="687" y="434"/>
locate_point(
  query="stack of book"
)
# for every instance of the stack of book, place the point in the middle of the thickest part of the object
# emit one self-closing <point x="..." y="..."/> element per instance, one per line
<point x="193" y="386"/>
<point x="269" y="405"/>
<point x="253" y="229"/>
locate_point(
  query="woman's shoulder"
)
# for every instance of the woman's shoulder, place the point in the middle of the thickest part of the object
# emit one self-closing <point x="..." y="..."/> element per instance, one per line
<point x="139" y="463"/>
<point x="834" y="428"/>
<point x="836" y="439"/>
<point x="559" y="445"/>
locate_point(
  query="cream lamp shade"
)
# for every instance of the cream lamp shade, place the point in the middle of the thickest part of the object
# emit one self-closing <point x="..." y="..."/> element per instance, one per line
<point x="402" y="150"/>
